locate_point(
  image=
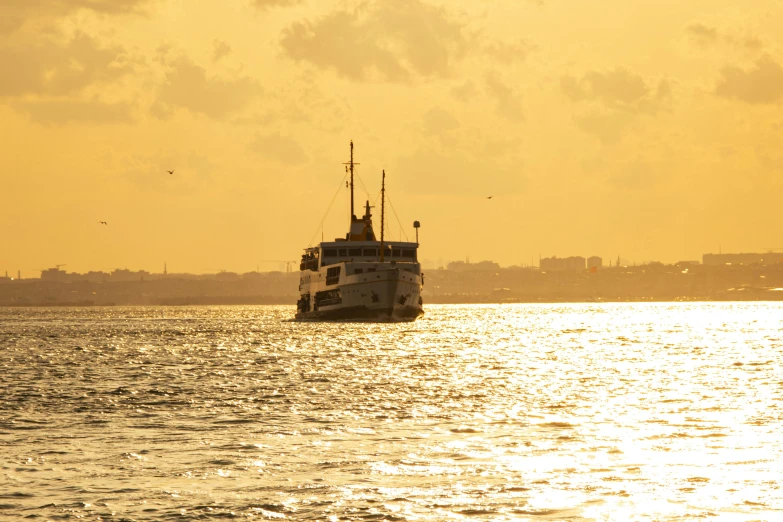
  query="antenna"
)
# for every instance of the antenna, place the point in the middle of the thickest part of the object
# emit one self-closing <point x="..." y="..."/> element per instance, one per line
<point x="350" y="165"/>
<point x="383" y="208"/>
<point x="352" y="215"/>
<point x="352" y="179"/>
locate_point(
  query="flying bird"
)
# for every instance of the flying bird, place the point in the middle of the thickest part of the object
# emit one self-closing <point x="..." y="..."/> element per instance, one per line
<point x="103" y="222"/>
<point x="490" y="197"/>
<point x="170" y="171"/>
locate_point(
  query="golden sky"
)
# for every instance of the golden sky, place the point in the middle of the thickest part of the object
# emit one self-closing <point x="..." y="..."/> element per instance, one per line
<point x="648" y="129"/>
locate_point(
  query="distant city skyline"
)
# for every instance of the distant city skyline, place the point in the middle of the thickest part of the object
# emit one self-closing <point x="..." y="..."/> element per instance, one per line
<point x="771" y="256"/>
<point x="723" y="277"/>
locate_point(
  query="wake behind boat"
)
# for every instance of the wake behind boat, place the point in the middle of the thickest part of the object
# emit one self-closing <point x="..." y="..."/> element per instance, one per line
<point x="361" y="277"/>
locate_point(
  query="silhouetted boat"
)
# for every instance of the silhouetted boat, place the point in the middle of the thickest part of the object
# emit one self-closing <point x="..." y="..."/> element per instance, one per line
<point x="361" y="277"/>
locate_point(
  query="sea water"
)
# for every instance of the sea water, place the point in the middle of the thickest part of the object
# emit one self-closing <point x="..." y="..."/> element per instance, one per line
<point x="665" y="411"/>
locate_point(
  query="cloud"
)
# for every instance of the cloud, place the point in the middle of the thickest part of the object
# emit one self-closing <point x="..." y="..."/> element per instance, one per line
<point x="707" y="36"/>
<point x="749" y="43"/>
<point x="267" y="4"/>
<point x="664" y="92"/>
<point x="56" y="82"/>
<point x="465" y="92"/>
<point x="15" y="13"/>
<point x="391" y="41"/>
<point x="67" y="111"/>
<point x="616" y="88"/>
<point x="508" y="104"/>
<point x="611" y="100"/>
<point x="279" y="148"/>
<point x="439" y="121"/>
<point x="51" y="68"/>
<point x="430" y="171"/>
<point x="99" y="6"/>
<point x="702" y="34"/>
<point x="302" y="100"/>
<point x="637" y="175"/>
<point x="188" y="86"/>
<point x="609" y="126"/>
<point x="761" y="84"/>
<point x="509" y="53"/>
<point x="220" y="50"/>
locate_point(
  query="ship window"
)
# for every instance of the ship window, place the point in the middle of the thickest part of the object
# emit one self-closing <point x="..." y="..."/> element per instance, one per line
<point x="397" y="252"/>
<point x="354" y="251"/>
<point x="370" y="270"/>
<point x="387" y="251"/>
<point x="408" y="252"/>
<point x="330" y="252"/>
<point x="343" y="252"/>
<point x="358" y="271"/>
<point x="370" y="252"/>
<point x="333" y="275"/>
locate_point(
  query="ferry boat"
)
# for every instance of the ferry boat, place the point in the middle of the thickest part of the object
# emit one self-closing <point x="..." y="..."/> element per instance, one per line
<point x="361" y="277"/>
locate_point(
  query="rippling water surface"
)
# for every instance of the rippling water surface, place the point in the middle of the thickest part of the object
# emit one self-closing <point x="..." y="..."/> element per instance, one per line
<point x="518" y="412"/>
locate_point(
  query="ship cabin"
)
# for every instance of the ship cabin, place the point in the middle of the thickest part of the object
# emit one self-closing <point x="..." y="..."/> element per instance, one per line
<point x="361" y="246"/>
<point x="368" y="252"/>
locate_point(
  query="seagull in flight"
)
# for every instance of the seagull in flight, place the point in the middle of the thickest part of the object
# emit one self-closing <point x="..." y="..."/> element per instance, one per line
<point x="103" y="222"/>
<point x="490" y="197"/>
<point x="170" y="171"/>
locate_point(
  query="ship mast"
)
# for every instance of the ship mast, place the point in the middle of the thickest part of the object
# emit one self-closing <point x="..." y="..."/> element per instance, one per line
<point x="350" y="166"/>
<point x="383" y="202"/>
<point x="353" y="216"/>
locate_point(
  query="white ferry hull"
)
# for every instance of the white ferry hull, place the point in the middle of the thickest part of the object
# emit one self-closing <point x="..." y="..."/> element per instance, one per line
<point x="363" y="313"/>
<point x="392" y="294"/>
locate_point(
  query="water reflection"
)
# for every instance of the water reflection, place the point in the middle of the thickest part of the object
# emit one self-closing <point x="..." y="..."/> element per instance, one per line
<point x="610" y="411"/>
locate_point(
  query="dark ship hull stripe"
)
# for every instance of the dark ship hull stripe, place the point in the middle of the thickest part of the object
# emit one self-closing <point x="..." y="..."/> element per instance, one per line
<point x="363" y="313"/>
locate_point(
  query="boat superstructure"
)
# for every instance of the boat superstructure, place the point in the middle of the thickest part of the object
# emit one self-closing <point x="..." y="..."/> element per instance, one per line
<point x="361" y="276"/>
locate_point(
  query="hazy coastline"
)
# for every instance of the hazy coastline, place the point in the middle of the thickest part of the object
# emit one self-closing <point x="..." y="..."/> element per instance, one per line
<point x="643" y="283"/>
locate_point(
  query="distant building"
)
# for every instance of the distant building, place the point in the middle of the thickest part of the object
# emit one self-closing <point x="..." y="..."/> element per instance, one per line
<point x="95" y="277"/>
<point x="555" y="264"/>
<point x="482" y="266"/>
<point x="54" y="274"/>
<point x="770" y="258"/>
<point x="594" y="262"/>
<point x="124" y="275"/>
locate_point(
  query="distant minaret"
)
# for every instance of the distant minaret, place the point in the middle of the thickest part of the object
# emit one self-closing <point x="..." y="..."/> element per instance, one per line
<point x="618" y="259"/>
<point x="19" y="274"/>
<point x="165" y="271"/>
